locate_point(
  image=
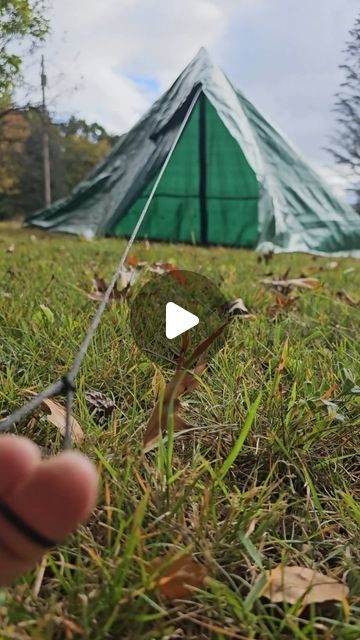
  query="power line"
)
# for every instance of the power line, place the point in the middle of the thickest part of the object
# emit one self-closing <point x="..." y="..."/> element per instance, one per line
<point x="45" y="138"/>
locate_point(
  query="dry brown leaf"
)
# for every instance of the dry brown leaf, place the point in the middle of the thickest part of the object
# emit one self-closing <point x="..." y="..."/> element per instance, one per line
<point x="299" y="283"/>
<point x="282" y="304"/>
<point x="290" y="584"/>
<point x="180" y="577"/>
<point x="132" y="261"/>
<point x="57" y="417"/>
<point x="159" y="420"/>
<point x="165" y="266"/>
<point x="128" y="277"/>
<point x="190" y="381"/>
<point x="329" y="393"/>
<point x="346" y="297"/>
<point x="185" y="342"/>
<point x="179" y="276"/>
<point x="101" y="287"/>
<point x="135" y="263"/>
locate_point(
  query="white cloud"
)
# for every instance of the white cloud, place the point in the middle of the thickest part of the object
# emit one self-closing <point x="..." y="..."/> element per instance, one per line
<point x="121" y="53"/>
<point x="100" y="47"/>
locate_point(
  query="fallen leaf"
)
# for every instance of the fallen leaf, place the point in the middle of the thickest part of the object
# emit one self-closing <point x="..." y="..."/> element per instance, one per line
<point x="158" y="267"/>
<point x="168" y="267"/>
<point x="329" y="393"/>
<point x="190" y="381"/>
<point x="185" y="342"/>
<point x="165" y="266"/>
<point x="132" y="261"/>
<point x="333" y="410"/>
<point x="135" y="263"/>
<point x="57" y="417"/>
<point x="179" y="276"/>
<point x="158" y="383"/>
<point x="159" y="421"/>
<point x="299" y="283"/>
<point x="101" y="287"/>
<point x="179" y="577"/>
<point x="290" y="584"/>
<point x="128" y="277"/>
<point x="332" y="265"/>
<point x="346" y="297"/>
<point x="282" y="304"/>
<point x="11" y="248"/>
<point x="101" y="407"/>
<point x="238" y="308"/>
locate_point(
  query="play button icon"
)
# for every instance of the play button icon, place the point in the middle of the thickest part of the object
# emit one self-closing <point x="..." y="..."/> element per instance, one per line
<point x="178" y="320"/>
<point x="165" y="307"/>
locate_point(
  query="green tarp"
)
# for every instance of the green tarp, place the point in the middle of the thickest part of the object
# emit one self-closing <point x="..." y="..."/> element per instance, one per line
<point x="232" y="179"/>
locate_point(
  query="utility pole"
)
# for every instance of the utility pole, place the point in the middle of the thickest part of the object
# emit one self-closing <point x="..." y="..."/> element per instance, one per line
<point x="45" y="139"/>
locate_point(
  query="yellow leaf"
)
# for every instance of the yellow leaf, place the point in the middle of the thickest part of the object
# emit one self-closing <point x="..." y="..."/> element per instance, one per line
<point x="284" y="355"/>
<point x="290" y="584"/>
<point x="57" y="417"/>
<point x="158" y="383"/>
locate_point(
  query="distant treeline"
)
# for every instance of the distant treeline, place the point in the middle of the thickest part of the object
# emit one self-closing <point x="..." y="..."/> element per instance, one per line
<point x="75" y="148"/>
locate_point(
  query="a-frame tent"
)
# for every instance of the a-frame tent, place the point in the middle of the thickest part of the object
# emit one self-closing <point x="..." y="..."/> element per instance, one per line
<point x="232" y="178"/>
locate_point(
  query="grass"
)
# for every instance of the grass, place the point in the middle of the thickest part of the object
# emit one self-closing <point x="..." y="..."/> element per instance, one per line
<point x="287" y="493"/>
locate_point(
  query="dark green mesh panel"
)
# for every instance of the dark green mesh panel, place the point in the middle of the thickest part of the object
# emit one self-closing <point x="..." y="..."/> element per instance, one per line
<point x="231" y="187"/>
<point x="174" y="212"/>
<point x="231" y="190"/>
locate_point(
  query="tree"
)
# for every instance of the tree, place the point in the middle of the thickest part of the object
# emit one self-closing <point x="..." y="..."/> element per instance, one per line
<point x="82" y="149"/>
<point x="14" y="131"/>
<point x="346" y="149"/>
<point x="23" y="26"/>
<point x="76" y="147"/>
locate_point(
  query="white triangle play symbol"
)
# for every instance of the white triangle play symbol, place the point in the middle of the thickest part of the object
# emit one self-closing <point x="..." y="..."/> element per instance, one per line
<point x="178" y="320"/>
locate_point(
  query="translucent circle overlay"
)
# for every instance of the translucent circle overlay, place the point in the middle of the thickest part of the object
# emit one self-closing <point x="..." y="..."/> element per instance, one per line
<point x="189" y="290"/>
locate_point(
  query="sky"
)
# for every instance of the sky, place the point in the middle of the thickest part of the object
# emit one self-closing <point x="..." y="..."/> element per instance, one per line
<point x="108" y="60"/>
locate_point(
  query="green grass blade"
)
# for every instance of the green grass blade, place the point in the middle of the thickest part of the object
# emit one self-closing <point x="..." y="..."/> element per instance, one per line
<point x="240" y="440"/>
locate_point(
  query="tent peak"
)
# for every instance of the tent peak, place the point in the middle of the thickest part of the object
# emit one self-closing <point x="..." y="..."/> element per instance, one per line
<point x="203" y="54"/>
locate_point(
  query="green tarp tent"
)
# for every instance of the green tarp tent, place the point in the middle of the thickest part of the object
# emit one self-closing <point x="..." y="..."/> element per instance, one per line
<point x="232" y="179"/>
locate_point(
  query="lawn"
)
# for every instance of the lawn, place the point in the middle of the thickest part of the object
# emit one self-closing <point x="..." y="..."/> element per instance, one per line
<point x="288" y="494"/>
